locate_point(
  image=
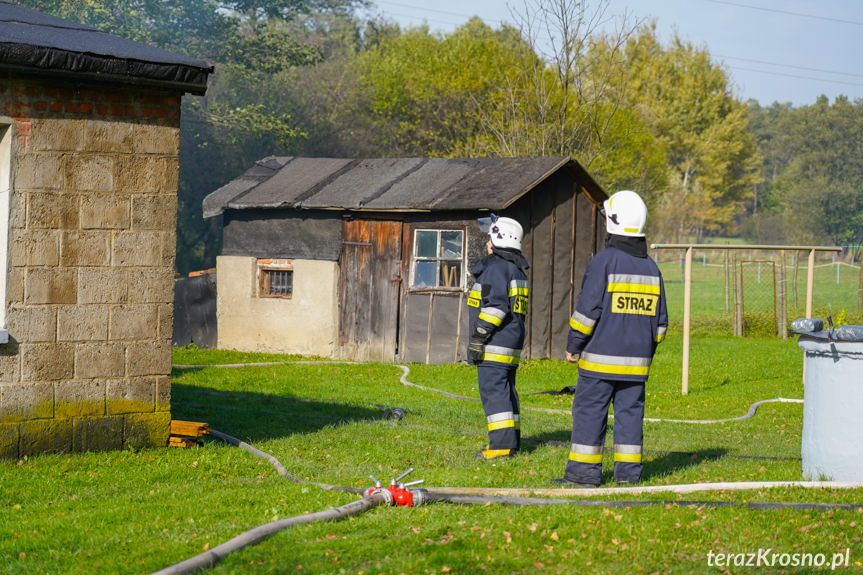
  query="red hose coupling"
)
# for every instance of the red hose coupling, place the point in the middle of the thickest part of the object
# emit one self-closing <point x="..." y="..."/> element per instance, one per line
<point x="398" y="493"/>
<point x="377" y="488"/>
<point x="406" y="497"/>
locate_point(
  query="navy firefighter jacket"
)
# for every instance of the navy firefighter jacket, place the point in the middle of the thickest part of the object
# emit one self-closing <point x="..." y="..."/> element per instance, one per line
<point x="498" y="303"/>
<point x="619" y="318"/>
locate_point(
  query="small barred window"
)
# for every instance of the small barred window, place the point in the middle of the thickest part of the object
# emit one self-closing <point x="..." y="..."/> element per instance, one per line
<point x="275" y="278"/>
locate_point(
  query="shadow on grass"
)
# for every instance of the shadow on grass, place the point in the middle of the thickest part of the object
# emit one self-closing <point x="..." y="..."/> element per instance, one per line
<point x="707" y="388"/>
<point x="656" y="463"/>
<point x="254" y="416"/>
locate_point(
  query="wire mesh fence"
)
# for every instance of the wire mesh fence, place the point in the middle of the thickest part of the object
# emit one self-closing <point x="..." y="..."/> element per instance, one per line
<point x="760" y="291"/>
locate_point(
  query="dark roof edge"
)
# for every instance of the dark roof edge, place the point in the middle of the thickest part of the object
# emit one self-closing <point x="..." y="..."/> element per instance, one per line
<point x="57" y="62"/>
<point x="564" y="160"/>
<point x="594" y="191"/>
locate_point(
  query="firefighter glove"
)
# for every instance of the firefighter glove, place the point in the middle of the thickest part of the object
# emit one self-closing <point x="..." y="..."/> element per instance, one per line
<point x="475" y="350"/>
<point x="476" y="346"/>
<point x="481" y="335"/>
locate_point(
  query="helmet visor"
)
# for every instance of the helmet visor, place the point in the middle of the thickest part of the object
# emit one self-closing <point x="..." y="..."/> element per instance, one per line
<point x="486" y="223"/>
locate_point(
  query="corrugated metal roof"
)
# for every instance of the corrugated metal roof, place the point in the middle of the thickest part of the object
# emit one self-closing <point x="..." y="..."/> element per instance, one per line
<point x="391" y="184"/>
<point x="36" y="42"/>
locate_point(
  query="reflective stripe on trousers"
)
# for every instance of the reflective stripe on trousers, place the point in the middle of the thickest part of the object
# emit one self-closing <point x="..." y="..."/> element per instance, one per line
<point x="585" y="453"/>
<point x="501" y="404"/>
<point x="593" y="396"/>
<point x="627" y="453"/>
<point x="612" y="365"/>
<point x="503" y="420"/>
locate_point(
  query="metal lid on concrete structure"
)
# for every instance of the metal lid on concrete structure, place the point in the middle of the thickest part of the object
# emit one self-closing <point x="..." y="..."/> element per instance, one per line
<point x="34" y="42"/>
<point x="391" y="184"/>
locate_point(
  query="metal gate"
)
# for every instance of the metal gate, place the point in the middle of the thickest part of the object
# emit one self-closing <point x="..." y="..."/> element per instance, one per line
<point x="756" y="299"/>
<point x="369" y="286"/>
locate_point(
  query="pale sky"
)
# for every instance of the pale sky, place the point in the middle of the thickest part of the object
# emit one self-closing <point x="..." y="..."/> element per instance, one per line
<point x="774" y="50"/>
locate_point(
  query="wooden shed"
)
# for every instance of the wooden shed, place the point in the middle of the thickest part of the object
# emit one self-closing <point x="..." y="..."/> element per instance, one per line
<point x="89" y="144"/>
<point x="368" y="259"/>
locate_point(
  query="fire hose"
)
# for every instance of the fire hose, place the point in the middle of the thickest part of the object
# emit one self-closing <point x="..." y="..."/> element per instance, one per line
<point x="400" y="493"/>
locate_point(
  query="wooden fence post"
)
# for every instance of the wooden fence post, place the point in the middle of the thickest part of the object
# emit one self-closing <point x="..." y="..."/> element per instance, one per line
<point x="810" y="282"/>
<point x="687" y="303"/>
<point x="783" y="311"/>
<point x="796" y="257"/>
<point x="726" y="282"/>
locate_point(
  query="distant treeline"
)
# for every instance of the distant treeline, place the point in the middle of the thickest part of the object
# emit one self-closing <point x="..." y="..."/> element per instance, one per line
<point x="322" y="78"/>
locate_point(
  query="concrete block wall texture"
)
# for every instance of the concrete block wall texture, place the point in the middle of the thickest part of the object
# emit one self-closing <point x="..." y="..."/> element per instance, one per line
<point x="90" y="279"/>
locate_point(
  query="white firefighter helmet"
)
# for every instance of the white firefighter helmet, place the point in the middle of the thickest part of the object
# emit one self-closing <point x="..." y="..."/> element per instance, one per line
<point x="504" y="232"/>
<point x="625" y="214"/>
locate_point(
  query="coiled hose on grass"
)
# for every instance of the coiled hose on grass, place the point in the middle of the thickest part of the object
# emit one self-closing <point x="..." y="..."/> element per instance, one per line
<point x="484" y="496"/>
<point x="254" y="536"/>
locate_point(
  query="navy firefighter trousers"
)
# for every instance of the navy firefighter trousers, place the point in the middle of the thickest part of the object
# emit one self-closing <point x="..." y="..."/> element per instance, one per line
<point x="589" y="424"/>
<point x="501" y="405"/>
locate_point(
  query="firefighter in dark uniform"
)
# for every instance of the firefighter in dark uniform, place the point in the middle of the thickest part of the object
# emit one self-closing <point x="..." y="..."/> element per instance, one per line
<point x="619" y="319"/>
<point x="498" y="305"/>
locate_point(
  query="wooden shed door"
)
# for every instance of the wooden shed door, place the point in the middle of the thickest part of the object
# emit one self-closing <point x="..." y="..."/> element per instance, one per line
<point x="369" y="286"/>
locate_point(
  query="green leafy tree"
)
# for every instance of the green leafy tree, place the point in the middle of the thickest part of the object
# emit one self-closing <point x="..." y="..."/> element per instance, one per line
<point x="713" y="160"/>
<point x="567" y="96"/>
<point x="254" y="45"/>
<point x="820" y="193"/>
<point x="425" y="90"/>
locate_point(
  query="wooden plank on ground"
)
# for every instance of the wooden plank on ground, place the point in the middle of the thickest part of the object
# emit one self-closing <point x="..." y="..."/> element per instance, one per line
<point x="189" y="428"/>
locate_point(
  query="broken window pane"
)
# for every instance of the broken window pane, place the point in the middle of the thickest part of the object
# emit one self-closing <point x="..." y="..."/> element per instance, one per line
<point x="451" y="244"/>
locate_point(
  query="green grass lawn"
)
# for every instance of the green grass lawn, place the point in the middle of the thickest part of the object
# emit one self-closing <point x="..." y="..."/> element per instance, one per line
<point x="138" y="512"/>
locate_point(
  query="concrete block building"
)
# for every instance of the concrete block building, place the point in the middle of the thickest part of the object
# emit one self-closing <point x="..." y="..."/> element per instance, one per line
<point x="89" y="144"/>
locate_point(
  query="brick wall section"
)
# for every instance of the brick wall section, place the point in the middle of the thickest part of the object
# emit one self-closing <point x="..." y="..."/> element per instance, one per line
<point x="90" y="283"/>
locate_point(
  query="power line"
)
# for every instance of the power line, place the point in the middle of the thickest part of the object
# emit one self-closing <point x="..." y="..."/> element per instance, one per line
<point x="793" y="67"/>
<point x="443" y="12"/>
<point x="796" y="76"/>
<point x="425" y="19"/>
<point x="787" y="12"/>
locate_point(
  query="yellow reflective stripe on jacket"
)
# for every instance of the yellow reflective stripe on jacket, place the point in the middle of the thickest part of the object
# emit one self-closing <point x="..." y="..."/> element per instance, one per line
<point x="499" y="358"/>
<point x="660" y="333"/>
<point x="518" y="287"/>
<point x="612" y="364"/>
<point x="582" y="323"/>
<point x="585" y="453"/>
<point x="492" y="315"/>
<point x="627" y="453"/>
<point x="474" y="298"/>
<point x="633" y="283"/>
<point x="633" y="288"/>
<point x="501" y="354"/>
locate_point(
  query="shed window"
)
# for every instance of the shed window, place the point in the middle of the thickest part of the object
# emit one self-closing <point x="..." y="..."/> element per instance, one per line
<point x="438" y="259"/>
<point x="275" y="278"/>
